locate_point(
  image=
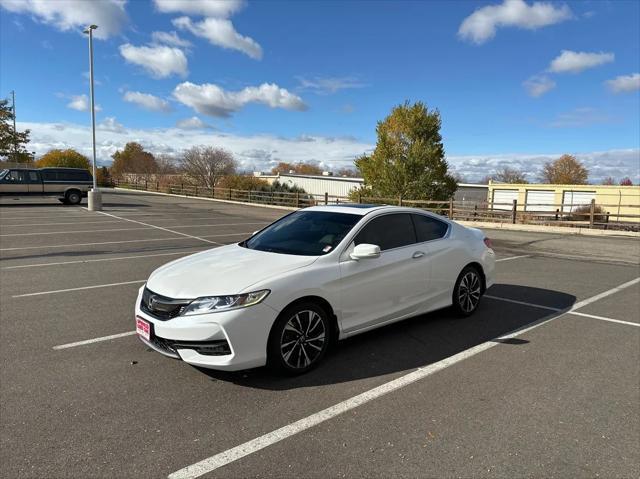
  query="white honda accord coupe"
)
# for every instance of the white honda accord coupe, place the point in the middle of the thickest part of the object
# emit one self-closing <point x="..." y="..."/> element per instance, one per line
<point x="316" y="275"/>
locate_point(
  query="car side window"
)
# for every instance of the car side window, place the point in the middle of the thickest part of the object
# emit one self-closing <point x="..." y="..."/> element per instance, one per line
<point x="33" y="177"/>
<point x="428" y="228"/>
<point x="388" y="231"/>
<point x="17" y="176"/>
<point x="49" y="175"/>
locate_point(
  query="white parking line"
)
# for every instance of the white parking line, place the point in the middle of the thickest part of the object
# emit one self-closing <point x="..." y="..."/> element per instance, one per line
<point x="68" y="232"/>
<point x="509" y="258"/>
<point x="602" y="318"/>
<point x="550" y="254"/>
<point x="19" y="225"/>
<point x="129" y="241"/>
<point x="92" y="244"/>
<point x="100" y="260"/>
<point x="158" y="227"/>
<point x="523" y="303"/>
<point x="219" y="460"/>
<point x="598" y="297"/>
<point x="94" y="340"/>
<point x="78" y="289"/>
<point x="224" y="224"/>
<point x="29" y="217"/>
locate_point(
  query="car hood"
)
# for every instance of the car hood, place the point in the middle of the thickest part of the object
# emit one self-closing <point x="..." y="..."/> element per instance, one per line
<point x="226" y="270"/>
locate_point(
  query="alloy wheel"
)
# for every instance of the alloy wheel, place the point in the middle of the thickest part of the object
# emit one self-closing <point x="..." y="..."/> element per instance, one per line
<point x="302" y="340"/>
<point x="469" y="291"/>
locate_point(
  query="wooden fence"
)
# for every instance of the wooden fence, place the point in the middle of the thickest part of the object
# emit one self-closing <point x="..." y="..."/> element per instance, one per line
<point x="590" y="215"/>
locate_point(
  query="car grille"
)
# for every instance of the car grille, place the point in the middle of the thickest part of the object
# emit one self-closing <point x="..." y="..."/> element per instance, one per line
<point x="165" y="346"/>
<point x="219" y="347"/>
<point x="161" y="307"/>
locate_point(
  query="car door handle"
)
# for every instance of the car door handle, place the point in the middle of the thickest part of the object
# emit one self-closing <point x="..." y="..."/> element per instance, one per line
<point x="418" y="254"/>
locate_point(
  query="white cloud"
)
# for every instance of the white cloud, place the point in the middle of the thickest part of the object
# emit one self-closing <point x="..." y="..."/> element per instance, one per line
<point x="81" y="103"/>
<point x="255" y="153"/>
<point x="260" y="152"/>
<point x="206" y="8"/>
<point x="329" y="85"/>
<point x="68" y="15"/>
<point x="617" y="163"/>
<point x="482" y="24"/>
<point x="624" y="83"/>
<point x="210" y="99"/>
<point x="159" y="61"/>
<point x="109" y="124"/>
<point x="193" y="123"/>
<point x="147" y="101"/>
<point x="169" y="38"/>
<point x="538" y="85"/>
<point x="220" y="32"/>
<point x="575" y="62"/>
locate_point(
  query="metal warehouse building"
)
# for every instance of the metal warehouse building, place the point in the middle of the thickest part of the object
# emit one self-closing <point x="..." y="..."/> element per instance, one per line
<point x="319" y="184"/>
<point x="342" y="186"/>
<point x="617" y="200"/>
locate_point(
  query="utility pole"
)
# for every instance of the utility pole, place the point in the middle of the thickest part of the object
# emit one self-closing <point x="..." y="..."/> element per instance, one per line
<point x="15" y="134"/>
<point x="94" y="196"/>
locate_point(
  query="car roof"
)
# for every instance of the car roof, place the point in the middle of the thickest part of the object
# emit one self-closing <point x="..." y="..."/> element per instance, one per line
<point x="348" y="208"/>
<point x="363" y="209"/>
<point x="63" y="168"/>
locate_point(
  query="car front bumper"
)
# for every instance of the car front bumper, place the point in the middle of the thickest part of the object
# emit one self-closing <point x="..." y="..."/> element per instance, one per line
<point x="246" y="331"/>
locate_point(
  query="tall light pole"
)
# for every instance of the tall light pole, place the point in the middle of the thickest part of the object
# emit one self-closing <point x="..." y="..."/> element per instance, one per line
<point x="94" y="196"/>
<point x="15" y="133"/>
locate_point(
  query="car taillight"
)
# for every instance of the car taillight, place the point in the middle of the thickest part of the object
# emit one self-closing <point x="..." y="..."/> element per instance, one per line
<point x="488" y="242"/>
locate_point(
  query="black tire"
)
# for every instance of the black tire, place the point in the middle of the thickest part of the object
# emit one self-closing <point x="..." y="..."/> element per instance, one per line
<point x="73" y="197"/>
<point x="299" y="339"/>
<point x="467" y="291"/>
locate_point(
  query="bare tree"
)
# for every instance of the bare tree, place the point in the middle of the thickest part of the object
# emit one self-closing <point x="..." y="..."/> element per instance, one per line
<point x="166" y="164"/>
<point x="348" y="172"/>
<point x="510" y="175"/>
<point x="609" y="180"/>
<point x="206" y="165"/>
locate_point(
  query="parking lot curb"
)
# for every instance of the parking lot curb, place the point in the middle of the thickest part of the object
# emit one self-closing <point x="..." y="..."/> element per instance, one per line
<point x="549" y="229"/>
<point x="274" y="207"/>
<point x="476" y="224"/>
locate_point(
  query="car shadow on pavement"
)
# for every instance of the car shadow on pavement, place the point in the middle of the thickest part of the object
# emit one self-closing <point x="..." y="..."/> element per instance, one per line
<point x="416" y="342"/>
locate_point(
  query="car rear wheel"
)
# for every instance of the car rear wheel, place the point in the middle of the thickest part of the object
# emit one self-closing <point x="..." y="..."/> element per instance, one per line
<point x="467" y="291"/>
<point x="299" y="339"/>
<point x="73" y="197"/>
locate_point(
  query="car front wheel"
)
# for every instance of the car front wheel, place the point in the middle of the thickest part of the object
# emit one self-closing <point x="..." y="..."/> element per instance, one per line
<point x="467" y="291"/>
<point x="73" y="197"/>
<point x="299" y="338"/>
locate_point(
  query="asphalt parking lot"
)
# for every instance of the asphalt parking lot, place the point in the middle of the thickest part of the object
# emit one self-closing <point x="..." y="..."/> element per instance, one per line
<point x="433" y="396"/>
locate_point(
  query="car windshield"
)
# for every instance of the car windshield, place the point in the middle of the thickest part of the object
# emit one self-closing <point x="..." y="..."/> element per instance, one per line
<point x="3" y="173"/>
<point x="305" y="233"/>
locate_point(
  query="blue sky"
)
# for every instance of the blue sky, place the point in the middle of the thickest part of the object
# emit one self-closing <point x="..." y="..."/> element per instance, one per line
<point x="516" y="81"/>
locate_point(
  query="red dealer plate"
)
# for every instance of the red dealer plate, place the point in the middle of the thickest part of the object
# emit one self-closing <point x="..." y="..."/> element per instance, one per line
<point x="143" y="329"/>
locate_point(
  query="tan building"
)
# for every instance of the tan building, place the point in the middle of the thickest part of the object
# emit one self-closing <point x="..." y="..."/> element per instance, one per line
<point x="618" y="201"/>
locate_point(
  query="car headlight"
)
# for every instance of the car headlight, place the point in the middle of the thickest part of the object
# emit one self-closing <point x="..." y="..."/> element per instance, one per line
<point x="213" y="304"/>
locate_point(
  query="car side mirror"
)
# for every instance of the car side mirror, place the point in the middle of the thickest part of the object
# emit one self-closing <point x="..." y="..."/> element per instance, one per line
<point x="365" y="251"/>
